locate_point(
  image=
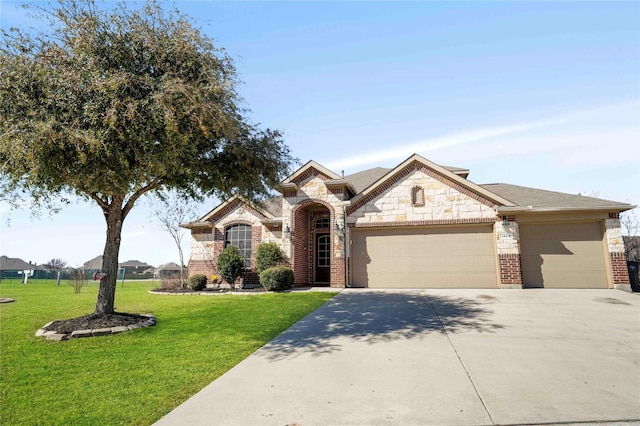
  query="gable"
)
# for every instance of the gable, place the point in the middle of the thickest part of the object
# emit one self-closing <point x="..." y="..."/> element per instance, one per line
<point x="437" y="173"/>
<point x="445" y="201"/>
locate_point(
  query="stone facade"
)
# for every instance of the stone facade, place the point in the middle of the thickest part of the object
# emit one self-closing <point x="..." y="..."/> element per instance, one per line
<point x="414" y="194"/>
<point x="443" y="204"/>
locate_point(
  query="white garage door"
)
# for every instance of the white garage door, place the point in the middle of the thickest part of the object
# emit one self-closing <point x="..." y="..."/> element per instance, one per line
<point x="427" y="257"/>
<point x="563" y="255"/>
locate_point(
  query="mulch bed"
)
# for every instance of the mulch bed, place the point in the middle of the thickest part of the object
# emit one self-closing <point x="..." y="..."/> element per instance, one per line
<point x="206" y="290"/>
<point x="88" y="322"/>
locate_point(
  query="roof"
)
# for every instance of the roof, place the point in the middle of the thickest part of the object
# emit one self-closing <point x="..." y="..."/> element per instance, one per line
<point x="95" y="263"/>
<point x="532" y="198"/>
<point x="14" y="264"/>
<point x="363" y="179"/>
<point x="134" y="264"/>
<point x="273" y="205"/>
<point x="171" y="266"/>
<point x="455" y="175"/>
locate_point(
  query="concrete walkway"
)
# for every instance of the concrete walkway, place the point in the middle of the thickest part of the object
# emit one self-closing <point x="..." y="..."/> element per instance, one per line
<point x="439" y="357"/>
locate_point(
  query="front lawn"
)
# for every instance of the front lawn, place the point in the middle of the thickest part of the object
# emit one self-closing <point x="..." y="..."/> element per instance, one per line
<point x="135" y="377"/>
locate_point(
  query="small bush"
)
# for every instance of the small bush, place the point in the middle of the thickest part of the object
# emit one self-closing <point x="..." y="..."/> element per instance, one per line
<point x="230" y="264"/>
<point x="269" y="255"/>
<point x="77" y="279"/>
<point x="197" y="282"/>
<point x="277" y="278"/>
<point x="171" y="283"/>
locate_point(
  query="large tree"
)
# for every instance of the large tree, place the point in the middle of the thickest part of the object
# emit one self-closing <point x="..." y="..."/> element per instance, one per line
<point x="109" y="105"/>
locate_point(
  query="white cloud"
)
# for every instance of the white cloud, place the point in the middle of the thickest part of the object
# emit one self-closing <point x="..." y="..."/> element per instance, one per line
<point x="522" y="146"/>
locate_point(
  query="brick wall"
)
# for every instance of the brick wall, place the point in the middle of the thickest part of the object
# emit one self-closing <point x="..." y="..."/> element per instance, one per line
<point x="619" y="268"/>
<point x="299" y="257"/>
<point x="510" y="267"/>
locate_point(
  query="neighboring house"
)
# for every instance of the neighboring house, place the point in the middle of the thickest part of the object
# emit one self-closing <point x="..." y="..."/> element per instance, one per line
<point x="131" y="269"/>
<point x="15" y="268"/>
<point x="170" y="269"/>
<point x="94" y="264"/>
<point x="134" y="269"/>
<point x="421" y="225"/>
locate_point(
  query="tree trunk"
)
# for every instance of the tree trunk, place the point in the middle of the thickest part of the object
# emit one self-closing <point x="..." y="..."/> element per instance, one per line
<point x="107" y="292"/>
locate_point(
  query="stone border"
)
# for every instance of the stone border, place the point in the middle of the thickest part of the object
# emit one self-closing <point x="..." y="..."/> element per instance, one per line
<point x="53" y="335"/>
<point x="208" y="293"/>
<point x="6" y="300"/>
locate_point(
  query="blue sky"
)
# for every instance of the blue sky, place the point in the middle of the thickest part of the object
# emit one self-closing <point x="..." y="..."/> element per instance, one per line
<point x="540" y="94"/>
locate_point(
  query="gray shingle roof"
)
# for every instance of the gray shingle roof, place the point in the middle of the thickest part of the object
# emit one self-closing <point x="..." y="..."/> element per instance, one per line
<point x="134" y="264"/>
<point x="363" y="179"/>
<point x="14" y="264"/>
<point x="273" y="205"/>
<point x="539" y="198"/>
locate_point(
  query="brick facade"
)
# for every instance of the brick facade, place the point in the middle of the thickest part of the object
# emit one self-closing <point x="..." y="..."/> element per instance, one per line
<point x="510" y="267"/>
<point x="619" y="269"/>
<point x="444" y="200"/>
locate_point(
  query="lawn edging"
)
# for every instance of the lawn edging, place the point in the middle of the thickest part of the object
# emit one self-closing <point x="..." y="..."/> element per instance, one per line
<point x="76" y="334"/>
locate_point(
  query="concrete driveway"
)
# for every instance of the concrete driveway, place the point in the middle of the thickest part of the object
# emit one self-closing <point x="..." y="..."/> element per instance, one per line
<point x="439" y="357"/>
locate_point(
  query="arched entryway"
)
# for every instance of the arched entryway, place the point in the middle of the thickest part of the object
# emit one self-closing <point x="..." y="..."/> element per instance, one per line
<point x="312" y="232"/>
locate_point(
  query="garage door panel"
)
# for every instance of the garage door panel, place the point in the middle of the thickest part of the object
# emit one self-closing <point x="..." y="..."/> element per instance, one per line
<point x="424" y="257"/>
<point x="563" y="255"/>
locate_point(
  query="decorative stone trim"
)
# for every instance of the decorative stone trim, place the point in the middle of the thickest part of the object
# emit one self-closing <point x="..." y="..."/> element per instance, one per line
<point x="457" y="186"/>
<point x="417" y="166"/>
<point x="232" y="206"/>
<point x="310" y="172"/>
<point x="76" y="334"/>
<point x="478" y="220"/>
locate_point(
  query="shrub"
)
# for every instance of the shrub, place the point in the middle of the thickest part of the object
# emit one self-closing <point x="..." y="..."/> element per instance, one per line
<point x="77" y="279"/>
<point x="171" y="283"/>
<point x="230" y="264"/>
<point x="268" y="255"/>
<point x="277" y="278"/>
<point x="197" y="282"/>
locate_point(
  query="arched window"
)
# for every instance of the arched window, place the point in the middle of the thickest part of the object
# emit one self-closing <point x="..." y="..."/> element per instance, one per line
<point x="240" y="236"/>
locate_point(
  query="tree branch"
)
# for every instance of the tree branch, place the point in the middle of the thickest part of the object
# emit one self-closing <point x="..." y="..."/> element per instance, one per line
<point x="95" y="197"/>
<point x="155" y="182"/>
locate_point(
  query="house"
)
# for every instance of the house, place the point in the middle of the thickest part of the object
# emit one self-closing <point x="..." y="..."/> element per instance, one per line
<point x="134" y="269"/>
<point x="168" y="270"/>
<point x="421" y="225"/>
<point x="15" y="268"/>
<point x="131" y="269"/>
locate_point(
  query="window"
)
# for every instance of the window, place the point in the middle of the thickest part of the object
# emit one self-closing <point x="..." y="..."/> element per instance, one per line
<point x="324" y="251"/>
<point x="322" y="223"/>
<point x="240" y="236"/>
<point x="417" y="196"/>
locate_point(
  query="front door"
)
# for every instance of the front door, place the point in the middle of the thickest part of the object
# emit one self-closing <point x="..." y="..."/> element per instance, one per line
<point x="323" y="259"/>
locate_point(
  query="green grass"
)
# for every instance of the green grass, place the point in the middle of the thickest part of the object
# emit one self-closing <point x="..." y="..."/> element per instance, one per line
<point x="135" y="377"/>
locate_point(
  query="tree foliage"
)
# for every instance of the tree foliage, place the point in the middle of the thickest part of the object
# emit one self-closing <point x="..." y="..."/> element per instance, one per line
<point x="110" y="105"/>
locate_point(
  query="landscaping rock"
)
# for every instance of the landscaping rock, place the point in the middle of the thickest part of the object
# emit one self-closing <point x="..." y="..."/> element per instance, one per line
<point x="57" y="337"/>
<point x="80" y="333"/>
